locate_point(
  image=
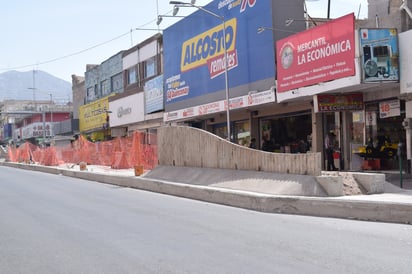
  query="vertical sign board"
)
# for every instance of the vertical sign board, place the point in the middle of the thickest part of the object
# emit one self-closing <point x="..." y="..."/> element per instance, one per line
<point x="320" y="54"/>
<point x="391" y="108"/>
<point x="405" y="62"/>
<point x="153" y="90"/>
<point x="194" y="67"/>
<point x="380" y="53"/>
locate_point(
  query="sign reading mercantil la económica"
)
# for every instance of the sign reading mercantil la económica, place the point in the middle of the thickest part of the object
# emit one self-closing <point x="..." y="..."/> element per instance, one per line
<point x="319" y="54"/>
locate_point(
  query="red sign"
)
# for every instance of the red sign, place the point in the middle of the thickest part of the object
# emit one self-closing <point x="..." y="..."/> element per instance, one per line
<point x="319" y="54"/>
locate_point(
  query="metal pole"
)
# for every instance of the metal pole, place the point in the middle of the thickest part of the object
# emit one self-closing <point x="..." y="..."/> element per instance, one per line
<point x="51" y="115"/>
<point x="226" y="82"/>
<point x="44" y="126"/>
<point x="191" y="4"/>
<point x="400" y="163"/>
<point x="400" y="171"/>
<point x="226" y="65"/>
<point x="328" y="9"/>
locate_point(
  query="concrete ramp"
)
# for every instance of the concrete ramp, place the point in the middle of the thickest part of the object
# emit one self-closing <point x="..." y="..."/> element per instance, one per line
<point x="254" y="181"/>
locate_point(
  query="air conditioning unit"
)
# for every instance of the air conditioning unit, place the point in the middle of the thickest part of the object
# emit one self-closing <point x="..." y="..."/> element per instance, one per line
<point x="377" y="60"/>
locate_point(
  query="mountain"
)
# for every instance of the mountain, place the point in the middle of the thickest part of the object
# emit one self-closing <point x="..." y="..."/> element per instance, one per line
<point x="20" y="86"/>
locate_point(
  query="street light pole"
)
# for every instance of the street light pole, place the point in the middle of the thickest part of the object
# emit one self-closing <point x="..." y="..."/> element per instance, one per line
<point x="44" y="126"/>
<point x="51" y="115"/>
<point x="328" y="13"/>
<point x="191" y="4"/>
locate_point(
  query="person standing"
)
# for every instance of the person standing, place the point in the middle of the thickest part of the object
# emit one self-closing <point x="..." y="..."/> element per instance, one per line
<point x="253" y="143"/>
<point x="329" y="145"/>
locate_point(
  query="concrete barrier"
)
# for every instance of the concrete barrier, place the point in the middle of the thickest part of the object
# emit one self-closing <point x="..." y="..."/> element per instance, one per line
<point x="372" y="182"/>
<point x="333" y="185"/>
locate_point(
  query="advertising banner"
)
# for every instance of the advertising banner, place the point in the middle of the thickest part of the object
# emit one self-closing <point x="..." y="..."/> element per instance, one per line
<point x="153" y="90"/>
<point x="341" y="102"/>
<point x="93" y="115"/>
<point x="319" y="54"/>
<point x="194" y="51"/>
<point x="36" y="130"/>
<point x="249" y="100"/>
<point x="379" y="48"/>
<point x="391" y="108"/>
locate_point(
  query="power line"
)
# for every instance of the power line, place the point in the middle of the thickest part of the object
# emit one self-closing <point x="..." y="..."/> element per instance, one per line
<point x="77" y="52"/>
<point x="68" y="55"/>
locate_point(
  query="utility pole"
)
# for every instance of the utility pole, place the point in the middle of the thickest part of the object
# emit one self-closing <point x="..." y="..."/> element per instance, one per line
<point x="51" y="115"/>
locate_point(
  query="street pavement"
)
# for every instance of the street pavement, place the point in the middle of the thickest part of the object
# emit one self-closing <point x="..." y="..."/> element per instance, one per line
<point x="260" y="191"/>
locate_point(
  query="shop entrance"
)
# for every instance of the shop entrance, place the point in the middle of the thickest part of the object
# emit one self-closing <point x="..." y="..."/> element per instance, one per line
<point x="383" y="133"/>
<point x="367" y="139"/>
<point x="332" y="122"/>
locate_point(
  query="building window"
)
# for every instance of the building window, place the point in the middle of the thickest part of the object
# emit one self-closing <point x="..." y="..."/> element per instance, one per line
<point x="90" y="94"/>
<point x="131" y="76"/>
<point x="117" y="83"/>
<point x="105" y="86"/>
<point x="96" y="91"/>
<point x="150" y="68"/>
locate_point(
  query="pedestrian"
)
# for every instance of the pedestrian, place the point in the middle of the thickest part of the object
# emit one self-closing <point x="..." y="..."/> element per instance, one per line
<point x="267" y="144"/>
<point x="329" y="145"/>
<point x="253" y="143"/>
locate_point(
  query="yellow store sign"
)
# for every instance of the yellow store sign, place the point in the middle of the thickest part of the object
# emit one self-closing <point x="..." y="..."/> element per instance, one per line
<point x="93" y="115"/>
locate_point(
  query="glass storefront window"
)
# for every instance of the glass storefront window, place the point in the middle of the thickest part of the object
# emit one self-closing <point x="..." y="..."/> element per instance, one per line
<point x="290" y="134"/>
<point x="220" y="130"/>
<point x="242" y="133"/>
<point x="358" y="120"/>
<point x="378" y="129"/>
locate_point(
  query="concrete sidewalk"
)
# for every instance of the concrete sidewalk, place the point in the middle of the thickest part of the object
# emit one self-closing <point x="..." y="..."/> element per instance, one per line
<point x="260" y="191"/>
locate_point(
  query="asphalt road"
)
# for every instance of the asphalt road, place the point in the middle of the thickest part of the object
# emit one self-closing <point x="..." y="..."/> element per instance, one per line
<point x="57" y="224"/>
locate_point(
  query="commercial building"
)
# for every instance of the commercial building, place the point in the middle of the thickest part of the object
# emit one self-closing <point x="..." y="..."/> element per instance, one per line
<point x="38" y="122"/>
<point x="141" y="106"/>
<point x="101" y="82"/>
<point x="288" y="86"/>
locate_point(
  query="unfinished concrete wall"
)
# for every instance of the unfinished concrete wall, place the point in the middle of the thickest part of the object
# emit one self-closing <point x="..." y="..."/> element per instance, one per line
<point x="187" y="146"/>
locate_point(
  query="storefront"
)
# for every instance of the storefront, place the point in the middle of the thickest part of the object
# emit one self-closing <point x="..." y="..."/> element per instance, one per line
<point x="355" y="90"/>
<point x="367" y="133"/>
<point x="383" y="132"/>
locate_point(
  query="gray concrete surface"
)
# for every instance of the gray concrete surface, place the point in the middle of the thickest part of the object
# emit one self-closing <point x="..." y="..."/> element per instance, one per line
<point x="256" y="181"/>
<point x="255" y="191"/>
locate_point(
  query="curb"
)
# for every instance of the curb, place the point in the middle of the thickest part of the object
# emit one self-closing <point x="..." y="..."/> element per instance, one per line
<point x="297" y="205"/>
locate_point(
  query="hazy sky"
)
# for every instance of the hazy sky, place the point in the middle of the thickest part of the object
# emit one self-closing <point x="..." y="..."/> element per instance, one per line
<point x="61" y="37"/>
